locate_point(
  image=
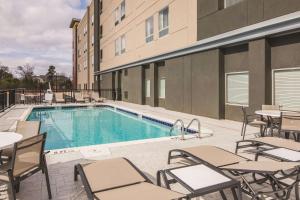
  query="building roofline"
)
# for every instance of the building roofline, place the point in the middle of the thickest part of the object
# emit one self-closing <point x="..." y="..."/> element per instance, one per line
<point x="273" y="26"/>
<point x="73" y="22"/>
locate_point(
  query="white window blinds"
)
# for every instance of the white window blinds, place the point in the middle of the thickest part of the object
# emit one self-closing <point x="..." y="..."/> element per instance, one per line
<point x="237" y="88"/>
<point x="286" y="89"/>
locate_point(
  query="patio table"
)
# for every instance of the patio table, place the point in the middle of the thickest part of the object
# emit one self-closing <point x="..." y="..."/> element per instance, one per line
<point x="9" y="138"/>
<point x="199" y="180"/>
<point x="270" y="115"/>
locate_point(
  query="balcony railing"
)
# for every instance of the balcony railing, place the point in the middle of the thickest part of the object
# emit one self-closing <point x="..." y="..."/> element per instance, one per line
<point x="7" y="99"/>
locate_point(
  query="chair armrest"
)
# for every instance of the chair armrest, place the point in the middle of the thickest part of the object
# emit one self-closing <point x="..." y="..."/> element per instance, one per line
<point x="46" y="152"/>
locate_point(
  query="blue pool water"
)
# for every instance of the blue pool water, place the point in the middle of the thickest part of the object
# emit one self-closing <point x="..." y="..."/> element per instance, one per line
<point x="75" y="127"/>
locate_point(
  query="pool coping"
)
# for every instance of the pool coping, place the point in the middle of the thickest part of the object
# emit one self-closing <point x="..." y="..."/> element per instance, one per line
<point x="192" y="133"/>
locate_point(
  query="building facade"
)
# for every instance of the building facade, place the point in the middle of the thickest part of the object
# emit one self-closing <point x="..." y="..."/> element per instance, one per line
<point x="204" y="57"/>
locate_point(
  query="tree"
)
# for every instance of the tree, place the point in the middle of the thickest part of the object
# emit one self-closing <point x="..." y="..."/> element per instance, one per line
<point x="7" y="80"/>
<point x="26" y="74"/>
<point x="4" y="72"/>
<point x="51" y="74"/>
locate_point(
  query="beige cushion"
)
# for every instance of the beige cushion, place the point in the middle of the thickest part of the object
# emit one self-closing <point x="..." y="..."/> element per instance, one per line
<point x="214" y="155"/>
<point x="106" y="174"/>
<point x="141" y="191"/>
<point x="263" y="166"/>
<point x="278" y="142"/>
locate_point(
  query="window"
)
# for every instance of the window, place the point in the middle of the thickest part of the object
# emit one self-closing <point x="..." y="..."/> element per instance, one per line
<point x="148" y="87"/>
<point x="162" y="88"/>
<point x="123" y="44"/>
<point x="93" y="40"/>
<point x="101" y="6"/>
<point x="101" y="31"/>
<point x="101" y="55"/>
<point x="117" y="47"/>
<point x="286" y="87"/>
<point x="149" y="29"/>
<point x="163" y="22"/>
<point x="126" y="72"/>
<point x="237" y="88"/>
<point x="122" y="11"/>
<point x="85" y="48"/>
<point x="117" y="16"/>
<point x="228" y="3"/>
<point x="92" y="20"/>
<point x="92" y="58"/>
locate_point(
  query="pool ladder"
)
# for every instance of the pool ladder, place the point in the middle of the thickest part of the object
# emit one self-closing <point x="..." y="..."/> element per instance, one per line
<point x="183" y="130"/>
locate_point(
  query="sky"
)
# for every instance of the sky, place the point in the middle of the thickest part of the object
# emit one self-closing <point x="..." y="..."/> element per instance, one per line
<point x="37" y="32"/>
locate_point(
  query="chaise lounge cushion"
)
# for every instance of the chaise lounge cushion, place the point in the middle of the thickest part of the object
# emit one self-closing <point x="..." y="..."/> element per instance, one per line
<point x="141" y="191"/>
<point x="112" y="173"/>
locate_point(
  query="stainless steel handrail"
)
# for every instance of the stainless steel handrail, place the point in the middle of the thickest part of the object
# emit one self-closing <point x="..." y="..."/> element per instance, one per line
<point x="198" y="124"/>
<point x="182" y="128"/>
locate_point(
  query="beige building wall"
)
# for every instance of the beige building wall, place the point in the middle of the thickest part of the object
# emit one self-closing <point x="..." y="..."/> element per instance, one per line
<point x="82" y="39"/>
<point x="182" y="29"/>
<point x="91" y="23"/>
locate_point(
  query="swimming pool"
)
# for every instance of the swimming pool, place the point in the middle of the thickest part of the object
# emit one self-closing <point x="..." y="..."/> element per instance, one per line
<point x="84" y="126"/>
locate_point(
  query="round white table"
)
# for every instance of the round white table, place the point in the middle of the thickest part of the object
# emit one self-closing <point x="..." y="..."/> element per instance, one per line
<point x="9" y="138"/>
<point x="270" y="113"/>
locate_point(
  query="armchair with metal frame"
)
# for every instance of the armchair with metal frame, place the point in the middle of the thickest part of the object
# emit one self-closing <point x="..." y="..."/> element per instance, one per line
<point x="252" y="120"/>
<point x="28" y="158"/>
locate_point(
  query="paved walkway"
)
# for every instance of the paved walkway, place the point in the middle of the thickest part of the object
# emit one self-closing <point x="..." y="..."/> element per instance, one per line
<point x="149" y="157"/>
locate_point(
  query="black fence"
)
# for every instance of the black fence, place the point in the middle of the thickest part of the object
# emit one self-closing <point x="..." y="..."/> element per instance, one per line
<point x="25" y="96"/>
<point x="7" y="99"/>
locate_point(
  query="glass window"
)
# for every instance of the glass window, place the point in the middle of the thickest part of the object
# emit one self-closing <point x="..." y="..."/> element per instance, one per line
<point x="149" y="29"/>
<point x="123" y="44"/>
<point x="93" y="40"/>
<point x="286" y="89"/>
<point x="92" y="60"/>
<point x="101" y="55"/>
<point x="123" y="10"/>
<point x="162" y="88"/>
<point x="237" y="88"/>
<point x="117" y="46"/>
<point x="163" y="22"/>
<point x="148" y="87"/>
<point x="92" y="19"/>
<point x="117" y="16"/>
<point x="101" y="31"/>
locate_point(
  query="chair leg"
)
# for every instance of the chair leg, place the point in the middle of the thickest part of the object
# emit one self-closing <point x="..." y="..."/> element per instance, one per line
<point x="244" y="133"/>
<point x="47" y="178"/>
<point x="223" y="195"/>
<point x="12" y="185"/>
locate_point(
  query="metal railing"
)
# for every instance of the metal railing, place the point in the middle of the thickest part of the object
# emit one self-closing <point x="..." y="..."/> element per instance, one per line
<point x="7" y="99"/>
<point x="181" y="128"/>
<point x="25" y="96"/>
<point x="198" y="126"/>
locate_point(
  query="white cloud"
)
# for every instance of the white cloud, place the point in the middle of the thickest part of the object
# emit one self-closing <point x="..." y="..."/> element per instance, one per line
<point x="37" y="32"/>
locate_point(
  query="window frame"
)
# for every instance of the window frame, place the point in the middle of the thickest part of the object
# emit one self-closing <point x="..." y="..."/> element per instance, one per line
<point x="226" y="88"/>
<point x="117" y="16"/>
<point x="147" y="92"/>
<point x="122" y="10"/>
<point x="122" y="44"/>
<point x="150" y="37"/>
<point x="273" y="82"/>
<point x="117" y="47"/>
<point x="159" y="86"/>
<point x="163" y="31"/>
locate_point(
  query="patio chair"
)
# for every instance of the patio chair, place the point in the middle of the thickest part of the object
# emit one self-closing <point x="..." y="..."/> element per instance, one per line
<point x="59" y="97"/>
<point x="119" y="179"/>
<point x="240" y="167"/>
<point x="95" y="97"/>
<point x="268" y="141"/>
<point x="290" y="124"/>
<point x="78" y="97"/>
<point x="28" y="158"/>
<point x="252" y="120"/>
<point x="27" y="129"/>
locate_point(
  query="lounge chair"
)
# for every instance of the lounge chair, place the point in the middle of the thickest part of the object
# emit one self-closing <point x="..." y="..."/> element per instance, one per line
<point x="27" y="129"/>
<point x="268" y="141"/>
<point x="240" y="166"/>
<point x="28" y="158"/>
<point x="95" y="97"/>
<point x="119" y="179"/>
<point x="59" y="98"/>
<point x="79" y="98"/>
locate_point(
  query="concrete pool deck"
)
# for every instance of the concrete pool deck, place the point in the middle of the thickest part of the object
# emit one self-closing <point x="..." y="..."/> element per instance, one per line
<point x="148" y="156"/>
